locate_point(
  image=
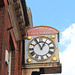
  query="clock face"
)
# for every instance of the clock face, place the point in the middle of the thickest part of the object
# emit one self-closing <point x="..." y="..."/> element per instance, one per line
<point x="41" y="48"/>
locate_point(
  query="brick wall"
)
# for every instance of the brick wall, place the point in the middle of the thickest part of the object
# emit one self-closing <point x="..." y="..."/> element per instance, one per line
<point x="4" y="41"/>
<point x="20" y="45"/>
<point x="13" y="63"/>
<point x="1" y="32"/>
<point x="16" y="56"/>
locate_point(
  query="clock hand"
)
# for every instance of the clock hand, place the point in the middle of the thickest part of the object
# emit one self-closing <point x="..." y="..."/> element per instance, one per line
<point x="38" y="44"/>
<point x="43" y="44"/>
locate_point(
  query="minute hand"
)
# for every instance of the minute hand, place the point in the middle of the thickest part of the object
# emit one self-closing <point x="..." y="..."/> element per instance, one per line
<point x="43" y="44"/>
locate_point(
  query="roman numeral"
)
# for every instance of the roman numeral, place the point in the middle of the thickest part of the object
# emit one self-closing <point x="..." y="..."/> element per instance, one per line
<point x="32" y="53"/>
<point x="40" y="39"/>
<point x="50" y="43"/>
<point x="47" y="56"/>
<point x="36" y="56"/>
<point x="51" y="47"/>
<point x="30" y="49"/>
<point x="50" y="52"/>
<point x="36" y="41"/>
<point x="42" y="57"/>
<point x="32" y="44"/>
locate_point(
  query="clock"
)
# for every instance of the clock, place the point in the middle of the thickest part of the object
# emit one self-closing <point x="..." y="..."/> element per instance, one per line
<point x="41" y="48"/>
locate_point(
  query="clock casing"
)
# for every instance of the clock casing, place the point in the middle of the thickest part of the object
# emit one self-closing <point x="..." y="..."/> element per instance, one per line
<point x="41" y="48"/>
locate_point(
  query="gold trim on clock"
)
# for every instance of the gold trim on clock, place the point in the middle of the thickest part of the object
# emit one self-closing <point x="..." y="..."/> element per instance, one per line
<point x="53" y="36"/>
<point x="41" y="55"/>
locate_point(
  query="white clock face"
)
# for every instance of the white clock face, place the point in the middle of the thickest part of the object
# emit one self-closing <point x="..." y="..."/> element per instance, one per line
<point x="41" y="48"/>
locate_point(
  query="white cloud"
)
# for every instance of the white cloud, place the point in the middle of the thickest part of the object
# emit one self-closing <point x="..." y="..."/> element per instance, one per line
<point x="68" y="34"/>
<point x="68" y="55"/>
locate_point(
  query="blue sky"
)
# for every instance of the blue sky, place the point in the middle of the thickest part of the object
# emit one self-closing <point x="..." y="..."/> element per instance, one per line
<point x="59" y="14"/>
<point x="53" y="13"/>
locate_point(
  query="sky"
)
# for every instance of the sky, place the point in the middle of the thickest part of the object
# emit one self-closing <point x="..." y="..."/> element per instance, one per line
<point x="59" y="14"/>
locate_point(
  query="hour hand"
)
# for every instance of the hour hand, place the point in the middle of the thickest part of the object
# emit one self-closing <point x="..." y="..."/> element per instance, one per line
<point x="43" y="45"/>
<point x="38" y="44"/>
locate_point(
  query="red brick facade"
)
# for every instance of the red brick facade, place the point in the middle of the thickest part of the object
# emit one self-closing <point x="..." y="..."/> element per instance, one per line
<point x="1" y="32"/>
<point x="7" y="38"/>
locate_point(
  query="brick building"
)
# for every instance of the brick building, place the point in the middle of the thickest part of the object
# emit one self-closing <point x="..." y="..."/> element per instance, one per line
<point x="15" y="19"/>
